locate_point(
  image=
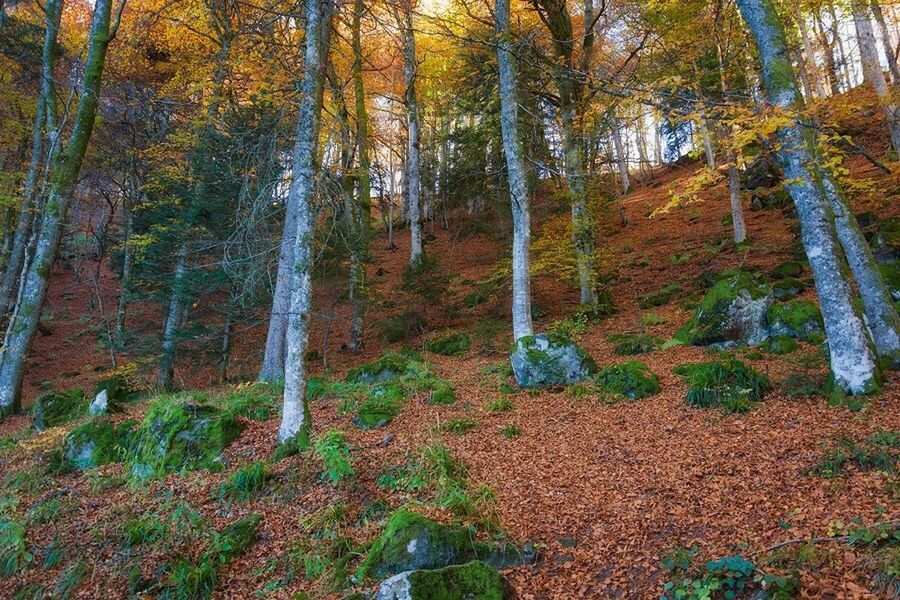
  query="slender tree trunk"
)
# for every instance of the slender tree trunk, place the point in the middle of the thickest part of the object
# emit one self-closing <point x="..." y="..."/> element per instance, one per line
<point x="166" y="377"/>
<point x="842" y="52"/>
<point x="707" y="143"/>
<point x="809" y="53"/>
<point x="886" y="41"/>
<point x="53" y="13"/>
<point x="872" y="73"/>
<point x="852" y="359"/>
<point x="621" y="158"/>
<point x="295" y="420"/>
<point x="413" y="184"/>
<point x="512" y="148"/>
<point x="734" y="182"/>
<point x="363" y="215"/>
<point x="64" y="171"/>
<point x="834" y="80"/>
<point x="125" y="281"/>
<point x="225" y="351"/>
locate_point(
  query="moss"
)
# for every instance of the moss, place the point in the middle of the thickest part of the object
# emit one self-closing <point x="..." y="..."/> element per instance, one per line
<point x="442" y="394"/>
<point x="455" y="344"/>
<point x="710" y="322"/>
<point x="890" y="273"/>
<point x="547" y="359"/>
<point x="55" y="408"/>
<point x="661" y="296"/>
<point x="457" y="582"/>
<point x="97" y="442"/>
<point x="780" y="344"/>
<point x="257" y="401"/>
<point x="630" y="343"/>
<point x="798" y="318"/>
<point x="802" y="385"/>
<point x="390" y="366"/>
<point x="727" y="384"/>
<point x="790" y="268"/>
<point x="235" y="538"/>
<point x="178" y="434"/>
<point x="632" y="379"/>
<point x="380" y="408"/>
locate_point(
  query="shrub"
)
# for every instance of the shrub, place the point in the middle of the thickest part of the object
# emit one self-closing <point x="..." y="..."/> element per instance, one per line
<point x="245" y="482"/>
<point x="454" y="344"/>
<point x="727" y="384"/>
<point x="630" y="343"/>
<point x="334" y="452"/>
<point x="661" y="296"/>
<point x="632" y="379"/>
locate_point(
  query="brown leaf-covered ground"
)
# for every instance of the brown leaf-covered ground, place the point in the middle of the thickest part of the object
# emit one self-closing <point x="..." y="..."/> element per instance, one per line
<point x="621" y="484"/>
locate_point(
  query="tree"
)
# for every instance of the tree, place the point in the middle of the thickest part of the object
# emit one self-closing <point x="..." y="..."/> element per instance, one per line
<point x="413" y="182"/>
<point x="512" y="148"/>
<point x="852" y="359"/>
<point x="65" y="164"/>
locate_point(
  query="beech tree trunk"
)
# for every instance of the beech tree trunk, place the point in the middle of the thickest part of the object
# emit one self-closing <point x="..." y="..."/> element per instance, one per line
<point x="295" y="420"/>
<point x="886" y="41"/>
<point x="413" y="180"/>
<point x="621" y="156"/>
<point x="707" y="143"/>
<point x="852" y="358"/>
<point x="515" y="166"/>
<point x="64" y="169"/>
<point x="872" y="73"/>
<point x="809" y="54"/>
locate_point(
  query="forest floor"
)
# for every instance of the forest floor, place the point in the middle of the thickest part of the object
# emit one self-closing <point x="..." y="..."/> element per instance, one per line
<point x="605" y="489"/>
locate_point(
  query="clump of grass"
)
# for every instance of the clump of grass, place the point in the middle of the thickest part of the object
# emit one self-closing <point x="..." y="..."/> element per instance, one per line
<point x="511" y="432"/>
<point x="660" y="297"/>
<point x="333" y="450"/>
<point x="454" y="344"/>
<point x="69" y="580"/>
<point x="146" y="529"/>
<point x="879" y="452"/>
<point x="323" y="552"/>
<point x="458" y="426"/>
<point x="651" y="318"/>
<point x="14" y="554"/>
<point x="729" y="385"/>
<point x="631" y="343"/>
<point x="256" y="401"/>
<point x="500" y="405"/>
<point x="245" y="482"/>
<point x="632" y="380"/>
<point x="802" y="385"/>
<point x="43" y="511"/>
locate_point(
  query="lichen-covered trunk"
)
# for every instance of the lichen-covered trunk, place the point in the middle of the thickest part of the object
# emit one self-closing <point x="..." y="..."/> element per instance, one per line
<point x="125" y="280"/>
<point x="734" y="192"/>
<point x="809" y="54"/>
<point x="515" y="166"/>
<point x="621" y="157"/>
<point x="27" y="209"/>
<point x="889" y="51"/>
<point x="295" y="419"/>
<point x="872" y="73"/>
<point x="64" y="170"/>
<point x="413" y="180"/>
<point x="882" y="319"/>
<point x="852" y="359"/>
<point x="166" y="376"/>
<point x="708" y="149"/>
<point x="582" y="224"/>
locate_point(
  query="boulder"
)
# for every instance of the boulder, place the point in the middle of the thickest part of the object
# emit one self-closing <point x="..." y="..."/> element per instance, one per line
<point x="799" y="319"/>
<point x="97" y="442"/>
<point x="55" y="408"/>
<point x="790" y="268"/>
<point x="411" y="542"/>
<point x="787" y="288"/>
<point x="762" y="173"/>
<point x="732" y="313"/>
<point x="390" y="366"/>
<point x="550" y="359"/>
<point x="178" y="435"/>
<point x="100" y="404"/>
<point x="885" y="241"/>
<point x="471" y="581"/>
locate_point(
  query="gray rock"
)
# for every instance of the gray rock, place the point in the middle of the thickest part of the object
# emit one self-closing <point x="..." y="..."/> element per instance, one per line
<point x="732" y="313"/>
<point x="100" y="403"/>
<point x="471" y="581"/>
<point x="550" y="359"/>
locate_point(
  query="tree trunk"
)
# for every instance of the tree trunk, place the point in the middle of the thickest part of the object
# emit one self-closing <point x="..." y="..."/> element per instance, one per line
<point x="53" y="13"/>
<point x="166" y="377"/>
<point x="852" y="359"/>
<point x="621" y="158"/>
<point x="125" y="281"/>
<point x="886" y="41"/>
<point x="363" y="215"/>
<point x="512" y="148"/>
<point x="64" y="170"/>
<point x="809" y="54"/>
<point x="834" y="80"/>
<point x="413" y="183"/>
<point x="225" y="351"/>
<point x="707" y="143"/>
<point x="872" y="73"/>
<point x="295" y="421"/>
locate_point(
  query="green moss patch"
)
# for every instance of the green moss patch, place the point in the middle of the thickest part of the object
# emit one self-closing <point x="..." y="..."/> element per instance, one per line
<point x="789" y="268"/>
<point x="456" y="582"/>
<point x="97" y="442"/>
<point x="455" y="344"/>
<point x="55" y="408"/>
<point x="380" y="408"/>
<point x="787" y="288"/>
<point x="780" y="344"/>
<point x="726" y="384"/>
<point x="660" y="297"/>
<point x="715" y="320"/>
<point x="632" y="379"/>
<point x="390" y="366"/>
<point x="632" y="343"/>
<point x="799" y="319"/>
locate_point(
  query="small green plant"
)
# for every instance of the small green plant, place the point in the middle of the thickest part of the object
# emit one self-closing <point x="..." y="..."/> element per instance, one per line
<point x="879" y="452"/>
<point x="802" y="385"/>
<point x="245" y="482"/>
<point x="53" y="554"/>
<point x="323" y="552"/>
<point x="43" y="511"/>
<point x="69" y="580"/>
<point x="255" y="401"/>
<point x="631" y="343"/>
<point x="500" y="405"/>
<point x="14" y="554"/>
<point x="651" y="318"/>
<point x="442" y="393"/>
<point x="511" y="432"/>
<point x="380" y="408"/>
<point x="728" y="384"/>
<point x="632" y="380"/>
<point x="333" y="450"/>
<point x="458" y="426"/>
<point x="660" y="297"/>
<point x="146" y="529"/>
<point x="455" y="344"/>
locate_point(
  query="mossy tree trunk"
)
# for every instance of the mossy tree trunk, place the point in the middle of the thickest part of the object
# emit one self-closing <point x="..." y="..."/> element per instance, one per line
<point x="852" y="358"/>
<point x="515" y="166"/>
<point x="413" y="179"/>
<point x="65" y="166"/>
<point x="295" y="420"/>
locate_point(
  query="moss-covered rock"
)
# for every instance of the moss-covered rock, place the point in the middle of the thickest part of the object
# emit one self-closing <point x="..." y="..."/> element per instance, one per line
<point x="631" y="343"/>
<point x="727" y="384"/>
<point x="381" y="406"/>
<point x="179" y="434"/>
<point x="550" y="359"/>
<point x="661" y="296"/>
<point x="632" y="379"/>
<point x="885" y="241"/>
<point x="456" y="582"/>
<point x="732" y="312"/>
<point x="780" y="344"/>
<point x="890" y="273"/>
<point x="455" y="344"/>
<point x="787" y="288"/>
<point x="390" y="366"/>
<point x="97" y="442"/>
<point x="799" y="319"/>
<point x="790" y="268"/>
<point x="55" y="408"/>
<point x="411" y="542"/>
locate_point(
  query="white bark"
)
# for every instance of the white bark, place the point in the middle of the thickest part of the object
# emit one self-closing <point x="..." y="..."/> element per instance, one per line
<point x="621" y="155"/>
<point x="512" y="147"/>
<point x="413" y="180"/>
<point x="872" y="73"/>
